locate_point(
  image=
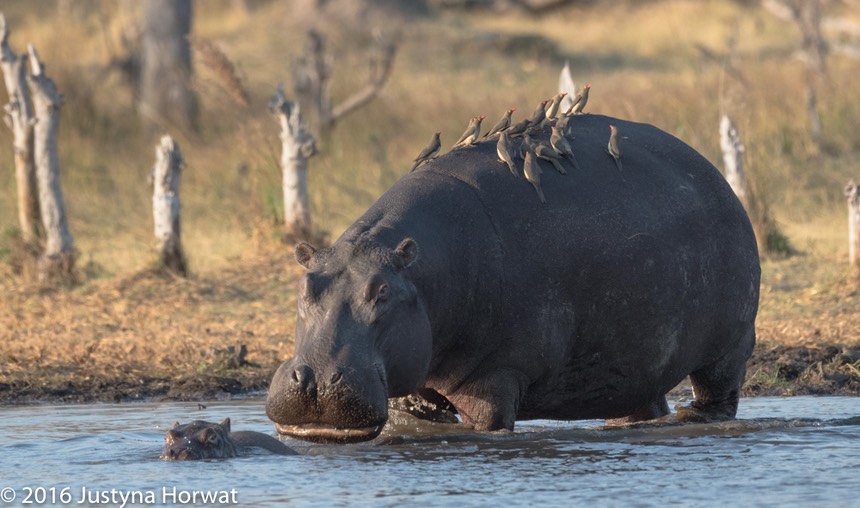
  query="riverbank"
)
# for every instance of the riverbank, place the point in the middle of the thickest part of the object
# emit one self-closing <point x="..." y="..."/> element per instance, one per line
<point x="219" y="335"/>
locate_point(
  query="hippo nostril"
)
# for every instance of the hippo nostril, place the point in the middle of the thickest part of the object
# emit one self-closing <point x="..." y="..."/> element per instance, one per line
<point x="304" y="377"/>
<point x="336" y="378"/>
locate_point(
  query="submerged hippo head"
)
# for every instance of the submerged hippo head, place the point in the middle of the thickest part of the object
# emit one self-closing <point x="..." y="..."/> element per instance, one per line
<point x="199" y="440"/>
<point x="362" y="336"/>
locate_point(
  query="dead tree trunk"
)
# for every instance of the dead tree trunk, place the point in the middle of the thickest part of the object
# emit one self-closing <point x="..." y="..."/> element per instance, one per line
<point x="565" y="84"/>
<point x="312" y="73"/>
<point x="733" y="162"/>
<point x="298" y="146"/>
<point x="853" y="195"/>
<point x="815" y="52"/>
<point x="165" y="92"/>
<point x="807" y="15"/>
<point x="58" y="257"/>
<point x="19" y="118"/>
<point x="165" y="206"/>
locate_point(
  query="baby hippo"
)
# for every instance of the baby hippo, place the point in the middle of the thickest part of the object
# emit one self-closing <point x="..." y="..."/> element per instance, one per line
<point x="206" y="440"/>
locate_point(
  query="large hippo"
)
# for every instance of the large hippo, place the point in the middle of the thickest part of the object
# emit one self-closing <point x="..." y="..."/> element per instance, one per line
<point x="459" y="283"/>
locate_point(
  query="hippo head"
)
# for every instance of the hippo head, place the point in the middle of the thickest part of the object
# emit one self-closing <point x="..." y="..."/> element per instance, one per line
<point x="362" y="336"/>
<point x="199" y="440"/>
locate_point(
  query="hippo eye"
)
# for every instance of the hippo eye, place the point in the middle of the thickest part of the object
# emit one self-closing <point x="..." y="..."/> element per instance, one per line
<point x="376" y="292"/>
<point x="382" y="293"/>
<point x="209" y="437"/>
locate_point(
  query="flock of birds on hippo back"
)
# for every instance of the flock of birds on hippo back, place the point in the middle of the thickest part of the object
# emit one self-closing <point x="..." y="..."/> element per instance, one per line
<point x="516" y="143"/>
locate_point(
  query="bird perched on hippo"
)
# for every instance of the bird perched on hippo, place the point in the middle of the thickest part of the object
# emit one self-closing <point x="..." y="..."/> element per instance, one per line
<point x="458" y="283"/>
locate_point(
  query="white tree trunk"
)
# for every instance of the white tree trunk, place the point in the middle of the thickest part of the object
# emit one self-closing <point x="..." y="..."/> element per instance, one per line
<point x="58" y="258"/>
<point x="565" y="84"/>
<point x="19" y="118"/>
<point x="298" y="146"/>
<point x="853" y="195"/>
<point x="166" y="207"/>
<point x="733" y="149"/>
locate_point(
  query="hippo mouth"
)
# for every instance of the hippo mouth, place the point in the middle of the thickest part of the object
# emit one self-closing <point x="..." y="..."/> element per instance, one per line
<point x="327" y="434"/>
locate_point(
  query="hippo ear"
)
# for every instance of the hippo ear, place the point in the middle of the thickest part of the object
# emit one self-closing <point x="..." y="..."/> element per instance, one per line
<point x="175" y="426"/>
<point x="304" y="253"/>
<point x="407" y="252"/>
<point x="226" y="424"/>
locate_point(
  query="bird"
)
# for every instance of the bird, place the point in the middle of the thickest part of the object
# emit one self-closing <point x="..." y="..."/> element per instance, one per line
<point x="470" y="135"/>
<point x="532" y="172"/>
<point x="612" y="148"/>
<point x="522" y="148"/>
<point x="563" y="124"/>
<point x="547" y="153"/>
<point x="503" y="124"/>
<point x="552" y="109"/>
<point x="429" y="153"/>
<point x="560" y="145"/>
<point x="503" y="149"/>
<point x="539" y="116"/>
<point x="579" y="101"/>
<point x="518" y="128"/>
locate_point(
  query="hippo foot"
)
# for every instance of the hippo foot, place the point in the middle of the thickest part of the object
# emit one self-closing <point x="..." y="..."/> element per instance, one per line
<point x="697" y="413"/>
<point x="651" y="411"/>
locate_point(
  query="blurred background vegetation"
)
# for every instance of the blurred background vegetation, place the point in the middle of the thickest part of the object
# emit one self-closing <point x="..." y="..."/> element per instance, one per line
<point x="677" y="64"/>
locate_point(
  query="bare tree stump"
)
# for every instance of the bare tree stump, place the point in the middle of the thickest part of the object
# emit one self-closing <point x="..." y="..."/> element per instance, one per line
<point x="166" y="207"/>
<point x="853" y="195"/>
<point x="19" y="117"/>
<point x="298" y="146"/>
<point x="58" y="257"/>
<point x="733" y="162"/>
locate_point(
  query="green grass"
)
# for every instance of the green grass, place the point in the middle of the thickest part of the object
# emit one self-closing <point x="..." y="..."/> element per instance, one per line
<point x="640" y="59"/>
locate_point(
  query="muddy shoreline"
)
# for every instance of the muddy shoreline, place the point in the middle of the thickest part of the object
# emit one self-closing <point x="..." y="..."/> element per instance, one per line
<point x="773" y="370"/>
<point x="146" y="337"/>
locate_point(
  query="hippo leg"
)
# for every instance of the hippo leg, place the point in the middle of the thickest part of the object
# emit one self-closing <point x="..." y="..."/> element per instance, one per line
<point x="650" y="411"/>
<point x="490" y="403"/>
<point x="717" y="386"/>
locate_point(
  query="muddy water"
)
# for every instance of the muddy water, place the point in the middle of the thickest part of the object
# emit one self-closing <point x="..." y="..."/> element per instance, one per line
<point x="802" y="451"/>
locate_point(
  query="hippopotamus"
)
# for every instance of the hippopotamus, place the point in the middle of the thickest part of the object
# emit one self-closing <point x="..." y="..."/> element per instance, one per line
<point x="206" y="440"/>
<point x="460" y="282"/>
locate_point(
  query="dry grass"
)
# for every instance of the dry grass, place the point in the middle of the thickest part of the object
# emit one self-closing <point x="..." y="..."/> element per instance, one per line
<point x="642" y="61"/>
<point x="147" y="326"/>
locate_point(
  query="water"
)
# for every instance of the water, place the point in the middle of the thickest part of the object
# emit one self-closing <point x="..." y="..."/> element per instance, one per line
<point x="782" y="452"/>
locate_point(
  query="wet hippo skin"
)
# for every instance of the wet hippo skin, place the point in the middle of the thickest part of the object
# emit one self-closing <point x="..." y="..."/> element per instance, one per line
<point x="459" y="282"/>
